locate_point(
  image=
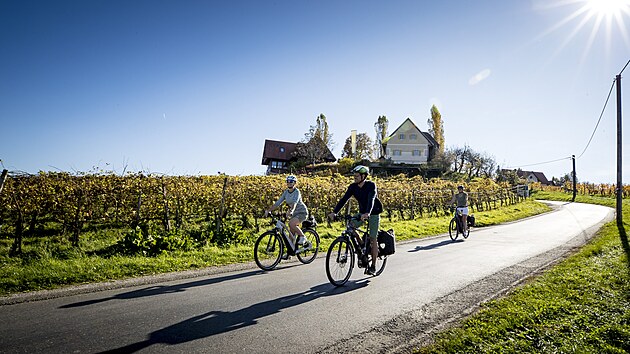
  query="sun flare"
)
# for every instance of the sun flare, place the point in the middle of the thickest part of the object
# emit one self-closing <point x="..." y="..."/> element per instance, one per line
<point x="607" y="7"/>
<point x="599" y="21"/>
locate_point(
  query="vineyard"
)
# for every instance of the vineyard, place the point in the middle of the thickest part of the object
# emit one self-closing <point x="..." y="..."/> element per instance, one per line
<point x="201" y="209"/>
<point x="592" y="189"/>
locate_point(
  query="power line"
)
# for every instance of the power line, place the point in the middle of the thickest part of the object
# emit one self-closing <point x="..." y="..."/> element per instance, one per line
<point x="592" y="135"/>
<point x="600" y="117"/>
<point x="538" y="163"/>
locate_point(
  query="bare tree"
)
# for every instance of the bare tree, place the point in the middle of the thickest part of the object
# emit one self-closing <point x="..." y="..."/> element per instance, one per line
<point x="469" y="163"/>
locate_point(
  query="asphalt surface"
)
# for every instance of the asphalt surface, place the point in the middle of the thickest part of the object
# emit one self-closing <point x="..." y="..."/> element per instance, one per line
<point x="427" y="285"/>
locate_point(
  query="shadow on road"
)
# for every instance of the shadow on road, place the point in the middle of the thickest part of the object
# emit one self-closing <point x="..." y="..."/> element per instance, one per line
<point x="435" y="245"/>
<point x="161" y="290"/>
<point x="217" y="322"/>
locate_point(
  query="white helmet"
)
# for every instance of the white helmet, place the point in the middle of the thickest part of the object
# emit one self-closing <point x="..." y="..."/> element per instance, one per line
<point x="364" y="170"/>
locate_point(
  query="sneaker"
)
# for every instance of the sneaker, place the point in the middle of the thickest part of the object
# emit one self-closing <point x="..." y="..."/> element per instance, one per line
<point x="371" y="270"/>
<point x="285" y="256"/>
<point x="301" y="240"/>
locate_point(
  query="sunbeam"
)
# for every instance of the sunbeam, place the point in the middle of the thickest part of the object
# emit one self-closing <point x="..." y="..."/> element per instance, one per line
<point x="589" y="16"/>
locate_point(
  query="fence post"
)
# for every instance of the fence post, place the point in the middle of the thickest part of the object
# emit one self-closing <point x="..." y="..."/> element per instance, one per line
<point x="222" y="210"/>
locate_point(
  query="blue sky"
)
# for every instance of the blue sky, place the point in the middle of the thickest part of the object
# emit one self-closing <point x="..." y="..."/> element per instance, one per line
<point x="195" y="87"/>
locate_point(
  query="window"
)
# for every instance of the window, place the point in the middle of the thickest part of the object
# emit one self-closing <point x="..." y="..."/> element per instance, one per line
<point x="426" y="152"/>
<point x="413" y="136"/>
<point x="278" y="164"/>
<point x="401" y="136"/>
<point x="281" y="149"/>
<point x="397" y="152"/>
<point x="415" y="153"/>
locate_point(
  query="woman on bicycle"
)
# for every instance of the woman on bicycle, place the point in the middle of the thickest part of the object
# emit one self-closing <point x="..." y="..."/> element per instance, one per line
<point x="461" y="200"/>
<point x="297" y="209"/>
<point x="370" y="208"/>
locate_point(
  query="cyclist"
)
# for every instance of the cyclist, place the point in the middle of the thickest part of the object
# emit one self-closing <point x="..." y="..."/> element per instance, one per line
<point x="461" y="201"/>
<point x="297" y="209"/>
<point x="370" y="207"/>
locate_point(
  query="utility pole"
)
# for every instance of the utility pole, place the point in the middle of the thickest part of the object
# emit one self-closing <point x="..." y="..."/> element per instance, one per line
<point x="574" y="178"/>
<point x="619" y="183"/>
<point x="2" y="178"/>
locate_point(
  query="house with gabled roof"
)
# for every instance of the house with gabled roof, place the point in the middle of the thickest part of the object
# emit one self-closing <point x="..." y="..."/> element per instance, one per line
<point x="277" y="155"/>
<point x="409" y="145"/>
<point x="532" y="176"/>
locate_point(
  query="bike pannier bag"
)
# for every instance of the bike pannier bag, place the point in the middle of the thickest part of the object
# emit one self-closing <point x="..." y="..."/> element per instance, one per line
<point x="470" y="220"/>
<point x="309" y="223"/>
<point x="386" y="242"/>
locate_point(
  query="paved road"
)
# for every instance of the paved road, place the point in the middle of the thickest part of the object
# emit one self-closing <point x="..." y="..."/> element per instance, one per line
<point x="426" y="284"/>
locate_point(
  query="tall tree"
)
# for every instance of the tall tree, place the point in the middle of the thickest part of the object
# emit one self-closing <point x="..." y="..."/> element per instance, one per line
<point x="363" y="150"/>
<point x="381" y="133"/>
<point x="436" y="128"/>
<point x="320" y="130"/>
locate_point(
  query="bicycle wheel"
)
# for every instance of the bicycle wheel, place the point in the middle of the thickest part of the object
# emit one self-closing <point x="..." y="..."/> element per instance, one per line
<point x="339" y="261"/>
<point x="452" y="229"/>
<point x="268" y="250"/>
<point x="308" y="252"/>
<point x="381" y="261"/>
<point x="466" y="233"/>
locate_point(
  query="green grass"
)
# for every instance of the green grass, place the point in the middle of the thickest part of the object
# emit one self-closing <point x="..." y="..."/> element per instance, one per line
<point x="581" y="305"/>
<point x="51" y="262"/>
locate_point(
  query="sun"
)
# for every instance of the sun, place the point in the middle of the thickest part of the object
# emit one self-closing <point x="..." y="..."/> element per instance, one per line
<point x="607" y="8"/>
<point x="608" y="17"/>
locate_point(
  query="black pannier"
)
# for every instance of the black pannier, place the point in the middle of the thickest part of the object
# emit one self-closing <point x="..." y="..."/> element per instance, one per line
<point x="386" y="242"/>
<point x="309" y="223"/>
<point x="470" y="220"/>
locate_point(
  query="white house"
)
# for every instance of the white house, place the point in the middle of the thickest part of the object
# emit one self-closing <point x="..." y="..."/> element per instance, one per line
<point x="409" y="145"/>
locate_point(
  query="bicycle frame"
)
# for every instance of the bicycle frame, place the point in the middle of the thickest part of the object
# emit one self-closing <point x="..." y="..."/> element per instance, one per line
<point x="456" y="225"/>
<point x="269" y="248"/>
<point x="280" y="225"/>
<point x="352" y="233"/>
<point x="340" y="256"/>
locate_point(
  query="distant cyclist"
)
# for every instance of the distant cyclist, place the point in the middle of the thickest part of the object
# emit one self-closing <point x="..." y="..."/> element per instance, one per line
<point x="370" y="207"/>
<point x="461" y="201"/>
<point x="297" y="209"/>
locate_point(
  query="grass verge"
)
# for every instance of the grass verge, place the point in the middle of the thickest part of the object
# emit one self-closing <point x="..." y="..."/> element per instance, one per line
<point x="582" y="305"/>
<point x="53" y="263"/>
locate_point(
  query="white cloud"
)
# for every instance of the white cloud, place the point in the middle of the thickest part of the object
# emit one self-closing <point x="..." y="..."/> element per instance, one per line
<point x="480" y="76"/>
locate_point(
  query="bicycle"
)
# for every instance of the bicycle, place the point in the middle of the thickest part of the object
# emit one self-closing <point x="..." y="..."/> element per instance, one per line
<point x="455" y="226"/>
<point x="269" y="248"/>
<point x="340" y="256"/>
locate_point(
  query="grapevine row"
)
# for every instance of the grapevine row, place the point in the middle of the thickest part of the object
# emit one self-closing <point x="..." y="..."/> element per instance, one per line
<point x="89" y="200"/>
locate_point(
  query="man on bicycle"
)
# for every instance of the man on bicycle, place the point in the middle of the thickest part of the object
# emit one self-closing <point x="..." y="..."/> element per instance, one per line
<point x="461" y="200"/>
<point x="370" y="208"/>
